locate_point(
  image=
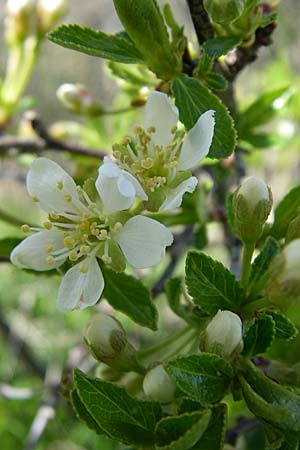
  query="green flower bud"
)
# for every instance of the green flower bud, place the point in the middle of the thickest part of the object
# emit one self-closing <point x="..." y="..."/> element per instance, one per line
<point x="18" y="19"/>
<point x="107" y="341"/>
<point x="224" y="11"/>
<point x="158" y="386"/>
<point x="252" y="203"/>
<point x="76" y="98"/>
<point x="49" y="12"/>
<point x="283" y="287"/>
<point x="223" y="335"/>
<point x="145" y="25"/>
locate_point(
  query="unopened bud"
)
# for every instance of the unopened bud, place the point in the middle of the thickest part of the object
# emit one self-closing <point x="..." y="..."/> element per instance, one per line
<point x="252" y="203"/>
<point x="107" y="341"/>
<point x="49" y="12"/>
<point x="18" y="19"/>
<point x="283" y="286"/>
<point x="224" y="11"/>
<point x="158" y="386"/>
<point x="76" y="98"/>
<point x="223" y="334"/>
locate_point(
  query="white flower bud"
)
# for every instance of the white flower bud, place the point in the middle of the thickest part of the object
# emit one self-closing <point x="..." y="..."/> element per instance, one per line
<point x="158" y="386"/>
<point x="252" y="203"/>
<point x="223" y="334"/>
<point x="19" y="14"/>
<point x="49" y="13"/>
<point x="77" y="98"/>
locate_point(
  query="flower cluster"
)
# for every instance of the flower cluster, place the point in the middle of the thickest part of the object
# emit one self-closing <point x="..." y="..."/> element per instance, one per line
<point x="97" y="222"/>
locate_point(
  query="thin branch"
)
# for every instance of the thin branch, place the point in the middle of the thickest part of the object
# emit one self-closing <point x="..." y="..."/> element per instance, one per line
<point x="202" y="25"/>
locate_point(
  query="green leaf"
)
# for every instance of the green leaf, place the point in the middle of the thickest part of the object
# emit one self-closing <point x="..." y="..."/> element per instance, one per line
<point x="215" y="81"/>
<point x="204" y="378"/>
<point x="96" y="43"/>
<point x="263" y="260"/>
<point x="284" y="328"/>
<point x="259" y="336"/>
<point x="186" y="405"/>
<point x="122" y="417"/>
<point x="83" y="414"/>
<point x="220" y="45"/>
<point x="268" y="400"/>
<point x="263" y="109"/>
<point x="260" y="140"/>
<point x="211" y="285"/>
<point x="173" y="288"/>
<point x="213" y="437"/>
<point x="286" y="211"/>
<point x="193" y="99"/>
<point x="181" y="432"/>
<point x="127" y="294"/>
<point x="7" y="245"/>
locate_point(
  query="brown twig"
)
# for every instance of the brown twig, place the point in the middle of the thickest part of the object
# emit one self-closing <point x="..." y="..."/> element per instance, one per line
<point x="202" y="25"/>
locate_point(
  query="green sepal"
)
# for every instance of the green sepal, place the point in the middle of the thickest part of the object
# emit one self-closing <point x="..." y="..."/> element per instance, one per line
<point x="144" y="24"/>
<point x="211" y="285"/>
<point x="96" y="43"/>
<point x="181" y="432"/>
<point x="193" y="99"/>
<point x="121" y="416"/>
<point x="128" y="295"/>
<point x="204" y="378"/>
<point x="259" y="335"/>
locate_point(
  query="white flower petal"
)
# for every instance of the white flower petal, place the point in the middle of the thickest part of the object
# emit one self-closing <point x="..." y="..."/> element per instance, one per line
<point x="31" y="252"/>
<point x="143" y="241"/>
<point x="174" y="196"/>
<point x="117" y="188"/>
<point x="163" y="115"/>
<point x="79" y="290"/>
<point x="197" y="141"/>
<point x="42" y="180"/>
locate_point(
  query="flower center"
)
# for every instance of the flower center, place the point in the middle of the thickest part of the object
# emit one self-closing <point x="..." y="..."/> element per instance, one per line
<point x="152" y="164"/>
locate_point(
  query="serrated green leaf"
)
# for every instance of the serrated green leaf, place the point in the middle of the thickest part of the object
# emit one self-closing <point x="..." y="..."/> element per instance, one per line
<point x="261" y="264"/>
<point x="216" y="81"/>
<point x="127" y="294"/>
<point x="96" y="43"/>
<point x="181" y="432"/>
<point x="83" y="414"/>
<point x="259" y="336"/>
<point x="220" y="45"/>
<point x="7" y="245"/>
<point x="213" y="437"/>
<point x="211" y="285"/>
<point x="286" y="211"/>
<point x="273" y="436"/>
<point x="269" y="400"/>
<point x="187" y="405"/>
<point x="193" y="99"/>
<point x="121" y="416"/>
<point x="135" y="75"/>
<point x="284" y="328"/>
<point x="204" y="378"/>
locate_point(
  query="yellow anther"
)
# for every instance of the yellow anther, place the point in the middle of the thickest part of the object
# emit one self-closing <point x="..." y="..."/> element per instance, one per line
<point x="146" y="139"/>
<point x="151" y="129"/>
<point x="85" y="237"/>
<point x="103" y="217"/>
<point x="68" y="197"/>
<point x="126" y="159"/>
<point x="25" y="228"/>
<point x="47" y="225"/>
<point x="173" y="129"/>
<point x="69" y="242"/>
<point x="118" y="227"/>
<point x="34" y="198"/>
<point x="95" y="232"/>
<point x="49" y="248"/>
<point x="182" y="134"/>
<point x="50" y="260"/>
<point x="117" y="154"/>
<point x="138" y="130"/>
<point x="147" y="163"/>
<point x="84" y="249"/>
<point x="53" y="216"/>
<point x="139" y="148"/>
<point x="92" y="206"/>
<point x="73" y="256"/>
<point x="106" y="259"/>
<point x="83" y="268"/>
<point x="79" y="190"/>
<point x="59" y="185"/>
<point x="126" y="140"/>
<point x="103" y="234"/>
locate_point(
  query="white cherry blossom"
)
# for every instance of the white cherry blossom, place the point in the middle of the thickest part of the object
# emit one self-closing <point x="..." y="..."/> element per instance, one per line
<point x="159" y="154"/>
<point x="81" y="231"/>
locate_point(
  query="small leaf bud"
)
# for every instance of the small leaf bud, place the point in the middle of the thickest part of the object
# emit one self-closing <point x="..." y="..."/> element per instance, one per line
<point x="76" y="98"/>
<point x="49" y="12"/>
<point x="18" y="19"/>
<point x="252" y="203"/>
<point x="223" y="335"/>
<point x="107" y="341"/>
<point x="283" y="287"/>
<point x="224" y="11"/>
<point x="158" y="386"/>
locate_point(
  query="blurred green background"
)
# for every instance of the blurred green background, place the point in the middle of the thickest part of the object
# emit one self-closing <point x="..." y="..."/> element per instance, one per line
<point x="51" y="340"/>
